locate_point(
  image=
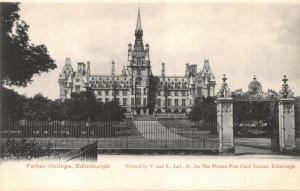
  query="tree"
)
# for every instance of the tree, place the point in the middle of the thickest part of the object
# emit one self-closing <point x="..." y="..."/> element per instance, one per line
<point x="110" y="111"/>
<point x="20" y="59"/>
<point x="84" y="106"/>
<point x="57" y="110"/>
<point x="81" y="106"/>
<point x="11" y="104"/>
<point x="204" y="109"/>
<point x="37" y="108"/>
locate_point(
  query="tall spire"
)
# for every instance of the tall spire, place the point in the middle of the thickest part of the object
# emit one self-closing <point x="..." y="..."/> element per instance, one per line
<point x="138" y="22"/>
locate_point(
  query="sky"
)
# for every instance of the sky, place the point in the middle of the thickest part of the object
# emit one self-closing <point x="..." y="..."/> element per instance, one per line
<point x="240" y="39"/>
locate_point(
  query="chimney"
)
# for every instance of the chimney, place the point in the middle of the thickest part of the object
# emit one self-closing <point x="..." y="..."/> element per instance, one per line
<point x="187" y="70"/>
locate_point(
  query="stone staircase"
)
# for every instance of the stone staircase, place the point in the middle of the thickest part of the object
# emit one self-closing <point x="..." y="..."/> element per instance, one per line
<point x="144" y="118"/>
<point x="155" y="131"/>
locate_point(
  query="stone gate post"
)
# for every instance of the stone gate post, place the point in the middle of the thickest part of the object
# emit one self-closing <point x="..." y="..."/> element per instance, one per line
<point x="287" y="139"/>
<point x="225" y="118"/>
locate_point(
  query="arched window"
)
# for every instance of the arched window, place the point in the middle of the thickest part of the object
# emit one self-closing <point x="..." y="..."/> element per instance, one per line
<point x="139" y="81"/>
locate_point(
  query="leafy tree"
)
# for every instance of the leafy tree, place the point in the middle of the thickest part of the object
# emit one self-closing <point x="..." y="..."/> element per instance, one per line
<point x="251" y="110"/>
<point x="37" y="108"/>
<point x="110" y="111"/>
<point x="20" y="59"/>
<point x="57" y="110"/>
<point x="84" y="106"/>
<point x="11" y="104"/>
<point x="81" y="106"/>
<point x="204" y="109"/>
<point x="237" y="94"/>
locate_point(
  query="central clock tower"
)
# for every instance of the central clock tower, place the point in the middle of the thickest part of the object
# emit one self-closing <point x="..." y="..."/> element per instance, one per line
<point x="139" y="70"/>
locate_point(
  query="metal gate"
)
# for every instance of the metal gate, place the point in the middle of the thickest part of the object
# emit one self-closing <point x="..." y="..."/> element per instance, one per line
<point x="261" y="134"/>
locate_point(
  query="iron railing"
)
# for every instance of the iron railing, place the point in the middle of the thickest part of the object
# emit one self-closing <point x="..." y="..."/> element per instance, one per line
<point x="129" y="134"/>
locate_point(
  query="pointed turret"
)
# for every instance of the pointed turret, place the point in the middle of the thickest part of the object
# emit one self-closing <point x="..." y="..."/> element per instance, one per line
<point x="138" y="22"/>
<point x="113" y="68"/>
<point x="139" y="31"/>
<point x="163" y="74"/>
<point x="124" y="73"/>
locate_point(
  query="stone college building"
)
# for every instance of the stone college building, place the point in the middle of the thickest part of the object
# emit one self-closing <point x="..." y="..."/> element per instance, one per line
<point x="173" y="94"/>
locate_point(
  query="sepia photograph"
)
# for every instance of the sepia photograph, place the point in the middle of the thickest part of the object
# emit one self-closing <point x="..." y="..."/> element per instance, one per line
<point x="155" y="90"/>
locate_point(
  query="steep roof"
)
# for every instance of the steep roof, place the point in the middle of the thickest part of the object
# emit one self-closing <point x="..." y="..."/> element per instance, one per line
<point x="138" y="22"/>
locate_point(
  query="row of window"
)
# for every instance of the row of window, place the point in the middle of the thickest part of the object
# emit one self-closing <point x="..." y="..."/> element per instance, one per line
<point x="169" y="102"/>
<point x="138" y="101"/>
<point x="138" y="92"/>
<point x="171" y="93"/>
<point x="107" y="78"/>
<point x="111" y="92"/>
<point x="124" y="101"/>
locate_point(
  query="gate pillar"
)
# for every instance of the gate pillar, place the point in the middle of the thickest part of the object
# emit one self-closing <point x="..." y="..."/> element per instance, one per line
<point x="287" y="138"/>
<point x="225" y="118"/>
<point x="225" y="124"/>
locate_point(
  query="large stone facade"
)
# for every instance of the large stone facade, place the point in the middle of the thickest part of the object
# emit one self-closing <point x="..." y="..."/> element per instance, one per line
<point x="174" y="94"/>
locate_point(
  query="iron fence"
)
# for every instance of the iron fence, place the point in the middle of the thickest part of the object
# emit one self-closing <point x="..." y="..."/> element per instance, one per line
<point x="129" y="134"/>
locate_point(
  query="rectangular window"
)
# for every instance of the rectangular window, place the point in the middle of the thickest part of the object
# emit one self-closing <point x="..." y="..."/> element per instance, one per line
<point x="169" y="102"/>
<point x="169" y="93"/>
<point x="138" y="91"/>
<point x="124" y="101"/>
<point x="183" y="93"/>
<point x="106" y="100"/>
<point x="132" y="101"/>
<point x="77" y="80"/>
<point x="118" y="100"/>
<point x="138" y="101"/>
<point x="158" y="102"/>
<point x="176" y="93"/>
<point x="132" y="92"/>
<point x="117" y="92"/>
<point x="183" y="102"/>
<point x="106" y="92"/>
<point x="145" y="91"/>
<point x="158" y="93"/>
<point x="145" y="101"/>
<point x="99" y="92"/>
<point x="124" y="93"/>
<point x="176" y="102"/>
<point x="99" y="99"/>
